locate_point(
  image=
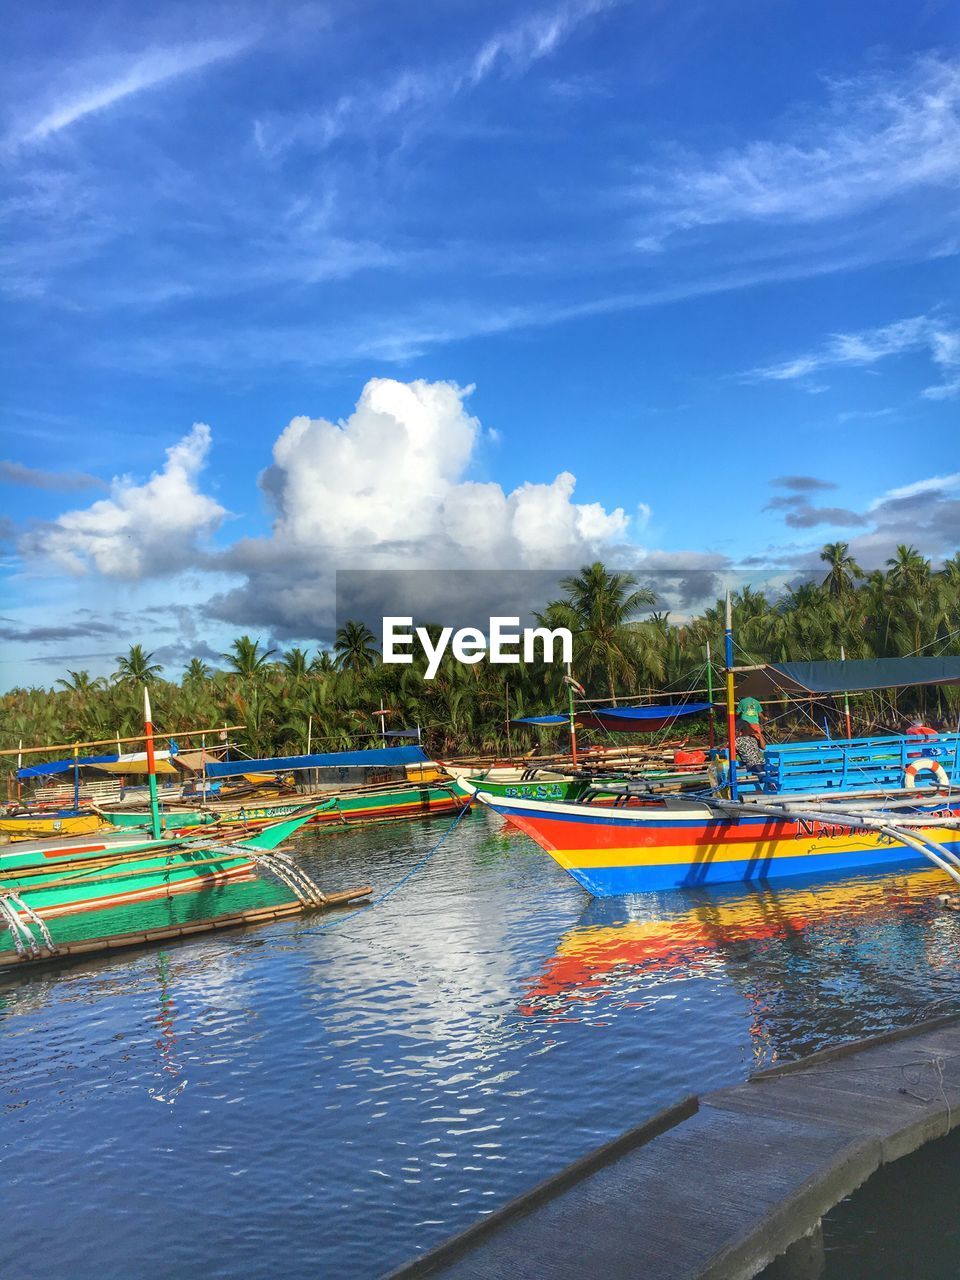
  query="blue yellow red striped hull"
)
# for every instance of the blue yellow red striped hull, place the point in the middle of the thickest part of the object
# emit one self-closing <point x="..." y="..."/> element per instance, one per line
<point x="638" y="851"/>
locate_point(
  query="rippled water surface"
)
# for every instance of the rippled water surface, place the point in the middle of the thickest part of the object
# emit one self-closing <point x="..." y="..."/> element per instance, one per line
<point x="308" y="1100"/>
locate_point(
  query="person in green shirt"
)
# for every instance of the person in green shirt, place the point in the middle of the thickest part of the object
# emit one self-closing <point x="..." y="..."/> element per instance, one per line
<point x="750" y="740"/>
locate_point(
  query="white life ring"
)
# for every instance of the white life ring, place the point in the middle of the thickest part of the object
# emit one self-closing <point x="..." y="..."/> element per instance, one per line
<point x="926" y="765"/>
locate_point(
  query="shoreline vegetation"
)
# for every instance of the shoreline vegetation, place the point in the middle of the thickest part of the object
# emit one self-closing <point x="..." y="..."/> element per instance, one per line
<point x="623" y="649"/>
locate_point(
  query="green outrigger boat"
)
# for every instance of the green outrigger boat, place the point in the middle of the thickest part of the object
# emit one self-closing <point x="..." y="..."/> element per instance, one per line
<point x="573" y="788"/>
<point x="376" y="803"/>
<point x="60" y="900"/>
<point x="67" y="901"/>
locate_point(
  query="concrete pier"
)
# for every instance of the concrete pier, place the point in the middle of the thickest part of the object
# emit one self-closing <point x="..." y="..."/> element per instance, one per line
<point x="722" y="1186"/>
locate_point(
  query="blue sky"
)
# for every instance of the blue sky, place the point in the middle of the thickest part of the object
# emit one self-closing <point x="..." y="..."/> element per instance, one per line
<point x="293" y="287"/>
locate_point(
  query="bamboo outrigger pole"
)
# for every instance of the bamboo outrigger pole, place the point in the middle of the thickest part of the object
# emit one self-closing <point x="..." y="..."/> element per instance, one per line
<point x="731" y="705"/>
<point x="151" y="765"/>
<point x="102" y="742"/>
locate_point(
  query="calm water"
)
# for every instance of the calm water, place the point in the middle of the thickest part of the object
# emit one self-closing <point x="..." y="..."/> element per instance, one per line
<point x="315" y="1101"/>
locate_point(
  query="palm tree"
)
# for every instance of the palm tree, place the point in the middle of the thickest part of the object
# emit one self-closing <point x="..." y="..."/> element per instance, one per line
<point x="137" y="666"/>
<point x="844" y="569"/>
<point x="296" y="663"/>
<point x="197" y="672"/>
<point x="245" y="657"/>
<point x="355" y="647"/>
<point x="81" y="682"/>
<point x="951" y="572"/>
<point x="908" y="568"/>
<point x="599" y="608"/>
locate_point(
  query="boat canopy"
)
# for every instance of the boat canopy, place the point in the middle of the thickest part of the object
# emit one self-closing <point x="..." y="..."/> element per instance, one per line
<point x="133" y="762"/>
<point x="624" y="719"/>
<point x="852" y="676"/>
<point x="53" y="767"/>
<point x="639" y="719"/>
<point x="377" y="757"/>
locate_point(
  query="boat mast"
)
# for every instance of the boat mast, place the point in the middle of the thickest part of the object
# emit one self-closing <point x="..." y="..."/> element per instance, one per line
<point x="846" y="701"/>
<point x="151" y="765"/>
<point x="569" y="681"/>
<point x="731" y="705"/>
<point x="710" y="692"/>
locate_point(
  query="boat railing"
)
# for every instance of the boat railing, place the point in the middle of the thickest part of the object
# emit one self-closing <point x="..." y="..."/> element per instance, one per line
<point x="855" y="764"/>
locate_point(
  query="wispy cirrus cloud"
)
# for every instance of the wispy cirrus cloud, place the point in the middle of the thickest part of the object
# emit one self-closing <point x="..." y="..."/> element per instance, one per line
<point x="878" y="137"/>
<point x="508" y="52"/>
<point x="867" y="347"/>
<point x="104" y="84"/>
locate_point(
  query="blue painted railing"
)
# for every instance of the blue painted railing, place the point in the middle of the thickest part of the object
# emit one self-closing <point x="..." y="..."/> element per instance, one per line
<point x="857" y="764"/>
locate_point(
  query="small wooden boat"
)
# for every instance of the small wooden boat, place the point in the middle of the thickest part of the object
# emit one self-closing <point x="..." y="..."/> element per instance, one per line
<point x="67" y="822"/>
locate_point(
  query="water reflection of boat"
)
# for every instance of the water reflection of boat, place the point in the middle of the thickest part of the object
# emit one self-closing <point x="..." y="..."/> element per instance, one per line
<point x="623" y="939"/>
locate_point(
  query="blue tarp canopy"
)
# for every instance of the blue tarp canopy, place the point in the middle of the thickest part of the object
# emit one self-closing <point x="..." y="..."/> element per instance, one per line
<point x="624" y="719"/>
<point x="62" y="766"/>
<point x="852" y="676"/>
<point x="665" y="712"/>
<point x="639" y="719"/>
<point x="379" y="757"/>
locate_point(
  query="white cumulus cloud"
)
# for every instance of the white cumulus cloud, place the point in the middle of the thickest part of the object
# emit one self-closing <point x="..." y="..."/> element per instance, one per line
<point x="141" y="530"/>
<point x="394" y="472"/>
<point x="388" y="487"/>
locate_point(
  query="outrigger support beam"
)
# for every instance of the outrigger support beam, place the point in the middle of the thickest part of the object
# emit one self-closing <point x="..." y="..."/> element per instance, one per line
<point x="941" y="857"/>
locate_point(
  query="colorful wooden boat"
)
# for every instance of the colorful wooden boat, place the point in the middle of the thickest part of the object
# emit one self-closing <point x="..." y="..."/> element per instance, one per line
<point x="675" y="843"/>
<point x="345" y="808"/>
<point x="80" y="904"/>
<point x="823" y="809"/>
<point x="558" y="788"/>
<point x="547" y="789"/>
<point x="96" y="881"/>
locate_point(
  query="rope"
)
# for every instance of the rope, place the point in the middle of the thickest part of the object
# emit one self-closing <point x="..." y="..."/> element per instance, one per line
<point x="332" y="924"/>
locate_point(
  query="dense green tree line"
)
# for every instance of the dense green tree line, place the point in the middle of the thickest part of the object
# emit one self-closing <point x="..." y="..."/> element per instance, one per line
<point x="334" y="697"/>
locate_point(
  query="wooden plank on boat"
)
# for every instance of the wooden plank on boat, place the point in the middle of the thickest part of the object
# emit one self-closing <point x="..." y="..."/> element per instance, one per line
<point x="734" y="1184"/>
